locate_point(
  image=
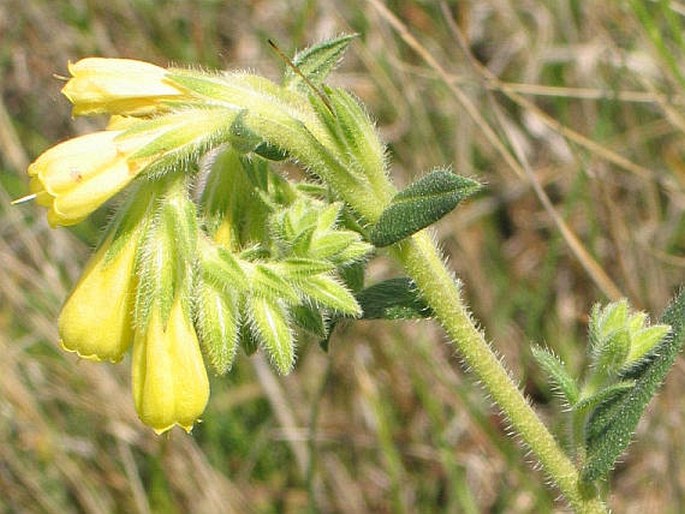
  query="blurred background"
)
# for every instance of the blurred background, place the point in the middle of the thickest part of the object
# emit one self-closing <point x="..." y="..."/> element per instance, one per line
<point x="571" y="112"/>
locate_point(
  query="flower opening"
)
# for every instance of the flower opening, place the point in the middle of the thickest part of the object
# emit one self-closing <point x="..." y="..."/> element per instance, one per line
<point x="75" y="177"/>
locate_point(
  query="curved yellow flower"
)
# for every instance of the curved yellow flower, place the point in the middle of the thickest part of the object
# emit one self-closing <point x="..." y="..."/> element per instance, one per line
<point x="170" y="385"/>
<point x="95" y="321"/>
<point x="75" y="177"/>
<point x="118" y="86"/>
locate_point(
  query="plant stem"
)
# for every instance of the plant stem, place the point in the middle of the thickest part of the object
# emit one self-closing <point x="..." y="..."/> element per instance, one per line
<point x="421" y="259"/>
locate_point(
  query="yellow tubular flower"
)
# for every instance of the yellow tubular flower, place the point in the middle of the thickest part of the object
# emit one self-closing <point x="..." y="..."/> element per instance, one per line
<point x="95" y="321"/>
<point x="75" y="177"/>
<point x="118" y="86"/>
<point x="170" y="385"/>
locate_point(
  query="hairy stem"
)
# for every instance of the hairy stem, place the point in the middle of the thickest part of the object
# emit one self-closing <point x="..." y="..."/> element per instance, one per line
<point x="305" y="140"/>
<point x="422" y="261"/>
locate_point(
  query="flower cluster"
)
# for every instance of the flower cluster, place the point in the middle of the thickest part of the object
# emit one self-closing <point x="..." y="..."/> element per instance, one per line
<point x="178" y="280"/>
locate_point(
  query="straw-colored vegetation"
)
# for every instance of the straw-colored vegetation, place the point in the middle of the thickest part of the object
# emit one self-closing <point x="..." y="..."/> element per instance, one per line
<point x="571" y="112"/>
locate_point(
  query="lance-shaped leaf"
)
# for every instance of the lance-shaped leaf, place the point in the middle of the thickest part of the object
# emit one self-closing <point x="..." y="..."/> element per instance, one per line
<point x="556" y="372"/>
<point x="269" y="323"/>
<point x="396" y="298"/>
<point x="316" y="62"/>
<point x="612" y="425"/>
<point x="421" y="204"/>
<point x="604" y="396"/>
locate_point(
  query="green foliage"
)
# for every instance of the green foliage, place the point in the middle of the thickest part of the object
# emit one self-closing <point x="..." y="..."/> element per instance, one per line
<point x="613" y="423"/>
<point x="421" y="204"/>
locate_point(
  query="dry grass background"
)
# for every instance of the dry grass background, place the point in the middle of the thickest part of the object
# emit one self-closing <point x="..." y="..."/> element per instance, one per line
<point x="588" y="96"/>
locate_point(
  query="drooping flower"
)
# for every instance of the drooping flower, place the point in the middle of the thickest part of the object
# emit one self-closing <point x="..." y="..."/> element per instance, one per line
<point x="119" y="86"/>
<point x="170" y="384"/>
<point x="75" y="177"/>
<point x="96" y="319"/>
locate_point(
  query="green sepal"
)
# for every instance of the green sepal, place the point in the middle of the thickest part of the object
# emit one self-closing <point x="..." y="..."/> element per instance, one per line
<point x="218" y="322"/>
<point x="612" y="425"/>
<point x="316" y="62"/>
<point x="221" y="268"/>
<point x="353" y="276"/>
<point x="212" y="87"/>
<point x="270" y="152"/>
<point x="614" y="351"/>
<point x="181" y="136"/>
<point x="269" y="323"/>
<point x="329" y="293"/>
<point x="357" y="136"/>
<point x="310" y="319"/>
<point x="165" y="262"/>
<point x="557" y="373"/>
<point x="334" y="243"/>
<point x="265" y="282"/>
<point x="299" y="268"/>
<point x="241" y="137"/>
<point x="131" y="218"/>
<point x="248" y="341"/>
<point x="396" y="298"/>
<point x="643" y="341"/>
<point x="179" y="217"/>
<point x="421" y="204"/>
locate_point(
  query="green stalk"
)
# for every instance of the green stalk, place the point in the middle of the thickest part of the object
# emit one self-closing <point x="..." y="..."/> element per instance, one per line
<point x="423" y="264"/>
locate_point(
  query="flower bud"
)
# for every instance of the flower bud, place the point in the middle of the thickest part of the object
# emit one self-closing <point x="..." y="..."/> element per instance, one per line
<point x="119" y="86"/>
<point x="95" y="321"/>
<point x="621" y="337"/>
<point x="170" y="385"/>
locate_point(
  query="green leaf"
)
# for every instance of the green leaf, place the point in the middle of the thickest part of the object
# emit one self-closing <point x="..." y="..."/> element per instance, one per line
<point x="316" y="62"/>
<point x="612" y="425"/>
<point x="396" y="298"/>
<point x="420" y="205"/>
<point x="269" y="323"/>
<point x="605" y="396"/>
<point x="556" y="371"/>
